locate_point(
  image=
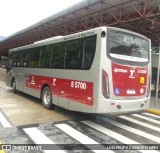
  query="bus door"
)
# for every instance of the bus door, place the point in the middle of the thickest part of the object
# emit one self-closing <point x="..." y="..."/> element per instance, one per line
<point x="19" y="79"/>
<point x="9" y="70"/>
<point x="18" y="71"/>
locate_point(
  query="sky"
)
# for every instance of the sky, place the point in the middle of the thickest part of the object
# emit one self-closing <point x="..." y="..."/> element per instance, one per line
<point x="16" y="15"/>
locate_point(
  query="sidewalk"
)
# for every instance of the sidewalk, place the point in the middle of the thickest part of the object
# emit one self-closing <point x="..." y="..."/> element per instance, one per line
<point x="153" y="102"/>
<point x="2" y="74"/>
<point x="153" y="108"/>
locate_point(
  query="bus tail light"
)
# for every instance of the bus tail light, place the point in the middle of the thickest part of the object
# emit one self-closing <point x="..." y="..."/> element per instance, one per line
<point x="105" y="84"/>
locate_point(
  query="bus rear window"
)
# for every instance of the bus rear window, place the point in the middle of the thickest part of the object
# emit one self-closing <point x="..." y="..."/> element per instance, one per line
<point x="128" y="47"/>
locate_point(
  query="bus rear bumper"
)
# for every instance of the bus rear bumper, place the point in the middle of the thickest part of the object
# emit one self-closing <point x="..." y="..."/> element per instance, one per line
<point x="122" y="106"/>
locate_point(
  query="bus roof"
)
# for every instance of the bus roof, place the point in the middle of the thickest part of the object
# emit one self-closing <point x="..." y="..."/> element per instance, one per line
<point x="49" y="39"/>
<point x="70" y="37"/>
<point x="58" y="38"/>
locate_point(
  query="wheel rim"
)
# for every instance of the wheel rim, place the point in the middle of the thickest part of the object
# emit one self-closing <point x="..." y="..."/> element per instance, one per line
<point x="47" y="97"/>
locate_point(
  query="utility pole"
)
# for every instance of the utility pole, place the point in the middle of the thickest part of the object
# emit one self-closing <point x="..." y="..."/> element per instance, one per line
<point x="157" y="87"/>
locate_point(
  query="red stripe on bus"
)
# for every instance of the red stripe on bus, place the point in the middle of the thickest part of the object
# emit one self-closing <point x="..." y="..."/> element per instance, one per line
<point x="76" y="90"/>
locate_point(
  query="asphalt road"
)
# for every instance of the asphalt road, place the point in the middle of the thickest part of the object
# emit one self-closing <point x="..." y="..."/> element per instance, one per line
<point x="129" y="133"/>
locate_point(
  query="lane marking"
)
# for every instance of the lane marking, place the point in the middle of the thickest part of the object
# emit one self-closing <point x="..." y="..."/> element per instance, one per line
<point x="133" y="130"/>
<point x="115" y="135"/>
<point x="1" y="151"/>
<point x="108" y="132"/>
<point x="4" y="121"/>
<point x="140" y="123"/>
<point x="83" y="139"/>
<point x="153" y="115"/>
<point x="39" y="138"/>
<point x="146" y="118"/>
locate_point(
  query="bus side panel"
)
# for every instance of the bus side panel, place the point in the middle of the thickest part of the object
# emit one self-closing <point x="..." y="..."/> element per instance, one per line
<point x="19" y="78"/>
<point x="26" y="89"/>
<point x="17" y="74"/>
<point x="55" y="99"/>
<point x="63" y="89"/>
<point x="32" y="92"/>
<point x="93" y="75"/>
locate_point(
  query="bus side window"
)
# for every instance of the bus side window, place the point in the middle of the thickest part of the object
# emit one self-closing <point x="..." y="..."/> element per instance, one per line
<point x="52" y="56"/>
<point x="17" y="59"/>
<point x="25" y="58"/>
<point x="45" y="56"/>
<point x="89" y="51"/>
<point x="57" y="56"/>
<point x="14" y="60"/>
<point x="34" y="57"/>
<point x="73" y="58"/>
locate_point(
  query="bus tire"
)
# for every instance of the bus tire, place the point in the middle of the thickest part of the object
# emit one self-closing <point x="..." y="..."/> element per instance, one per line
<point x="14" y="86"/>
<point x="47" y="98"/>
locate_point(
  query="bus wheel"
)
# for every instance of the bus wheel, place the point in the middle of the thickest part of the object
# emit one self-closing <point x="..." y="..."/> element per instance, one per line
<point x="47" y="98"/>
<point x="14" y="87"/>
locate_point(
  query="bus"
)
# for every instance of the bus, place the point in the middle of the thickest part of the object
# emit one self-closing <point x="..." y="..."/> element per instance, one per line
<point x="101" y="70"/>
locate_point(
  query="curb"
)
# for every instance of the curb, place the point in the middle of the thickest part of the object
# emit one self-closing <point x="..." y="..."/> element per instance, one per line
<point x="153" y="110"/>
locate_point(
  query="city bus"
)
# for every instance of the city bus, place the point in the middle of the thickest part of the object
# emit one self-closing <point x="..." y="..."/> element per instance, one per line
<point x="101" y="70"/>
